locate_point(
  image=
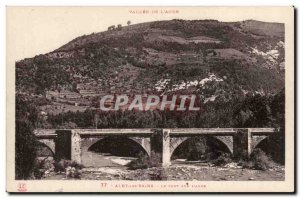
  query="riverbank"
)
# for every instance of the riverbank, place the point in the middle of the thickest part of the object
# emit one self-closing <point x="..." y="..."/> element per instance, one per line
<point x="188" y="172"/>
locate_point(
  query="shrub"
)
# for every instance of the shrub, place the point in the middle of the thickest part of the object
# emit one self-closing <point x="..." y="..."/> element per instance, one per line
<point x="159" y="174"/>
<point x="72" y="172"/>
<point x="43" y="168"/>
<point x="72" y="169"/>
<point x="258" y="160"/>
<point x="222" y="160"/>
<point x="63" y="164"/>
<point x="261" y="160"/>
<point x="143" y="161"/>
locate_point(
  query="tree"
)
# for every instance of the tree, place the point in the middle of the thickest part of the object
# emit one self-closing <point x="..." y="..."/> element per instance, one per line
<point x="119" y="27"/>
<point x="128" y="23"/>
<point x="112" y="27"/>
<point x="26" y="145"/>
<point x="26" y="142"/>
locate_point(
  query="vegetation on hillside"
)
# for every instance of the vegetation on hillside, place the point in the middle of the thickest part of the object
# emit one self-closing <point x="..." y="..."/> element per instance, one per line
<point x="98" y="56"/>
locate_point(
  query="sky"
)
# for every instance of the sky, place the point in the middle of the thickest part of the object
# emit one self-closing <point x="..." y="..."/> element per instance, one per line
<point x="39" y="30"/>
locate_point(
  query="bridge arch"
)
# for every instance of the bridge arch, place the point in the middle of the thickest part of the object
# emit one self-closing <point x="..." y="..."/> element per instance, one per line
<point x="44" y="146"/>
<point x="257" y="141"/>
<point x="120" y="144"/>
<point x="87" y="142"/>
<point x="226" y="141"/>
<point x="273" y="146"/>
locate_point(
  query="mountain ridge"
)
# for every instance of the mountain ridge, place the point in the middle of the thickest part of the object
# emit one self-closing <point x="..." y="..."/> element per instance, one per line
<point x="217" y="60"/>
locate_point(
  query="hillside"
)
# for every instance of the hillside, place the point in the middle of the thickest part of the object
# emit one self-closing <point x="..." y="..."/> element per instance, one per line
<point x="216" y="60"/>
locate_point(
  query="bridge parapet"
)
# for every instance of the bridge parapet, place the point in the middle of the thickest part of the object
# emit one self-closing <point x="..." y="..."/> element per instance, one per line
<point x="261" y="131"/>
<point x="106" y="132"/>
<point x="149" y="131"/>
<point x="41" y="132"/>
<point x="202" y="131"/>
<point x="218" y="131"/>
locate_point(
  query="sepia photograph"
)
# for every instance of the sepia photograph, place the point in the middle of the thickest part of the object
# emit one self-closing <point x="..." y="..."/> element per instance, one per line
<point x="150" y="99"/>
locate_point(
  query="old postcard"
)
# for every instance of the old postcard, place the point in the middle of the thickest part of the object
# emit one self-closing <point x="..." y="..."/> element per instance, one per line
<point x="150" y="99"/>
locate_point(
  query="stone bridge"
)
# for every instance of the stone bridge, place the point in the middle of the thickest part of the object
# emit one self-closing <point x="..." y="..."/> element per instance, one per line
<point x="71" y="143"/>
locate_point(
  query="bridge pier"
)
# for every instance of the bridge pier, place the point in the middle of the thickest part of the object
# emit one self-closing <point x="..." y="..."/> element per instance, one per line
<point x="68" y="145"/>
<point x="63" y="145"/>
<point x="75" y="146"/>
<point x="242" y="144"/>
<point x="166" y="154"/>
